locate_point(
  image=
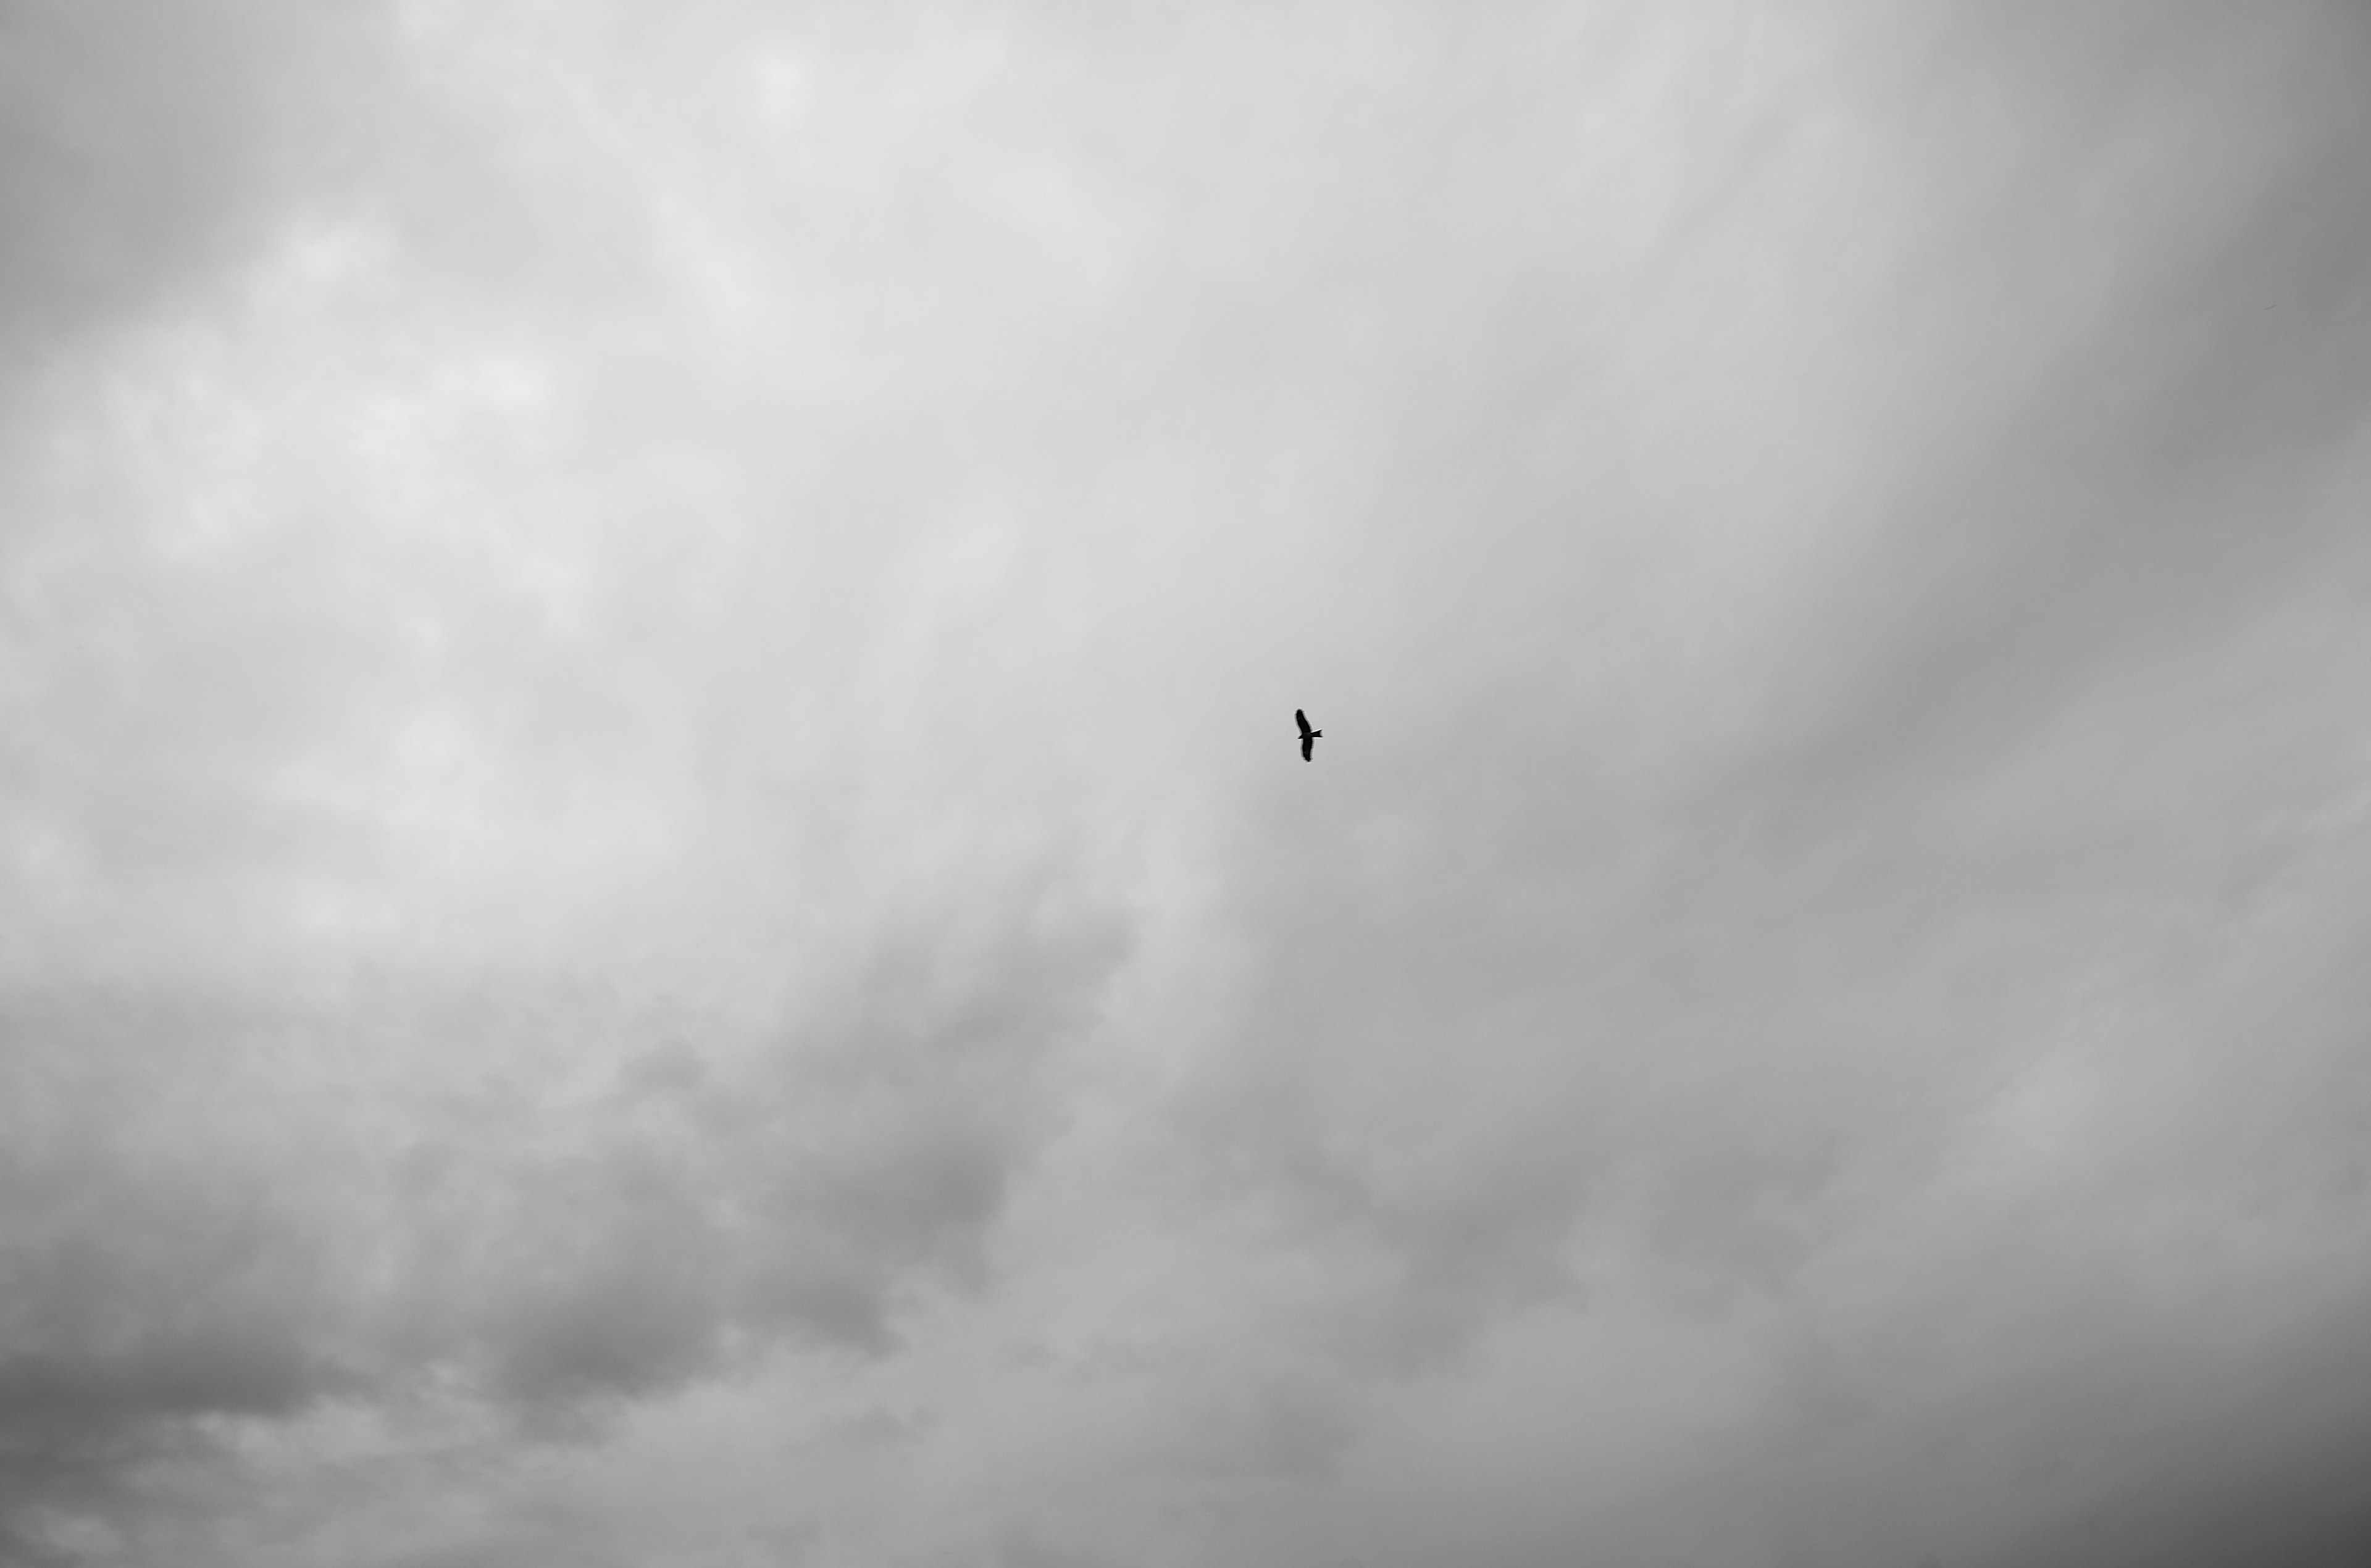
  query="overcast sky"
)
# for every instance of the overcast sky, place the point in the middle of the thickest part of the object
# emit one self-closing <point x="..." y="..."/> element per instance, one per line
<point x="657" y="905"/>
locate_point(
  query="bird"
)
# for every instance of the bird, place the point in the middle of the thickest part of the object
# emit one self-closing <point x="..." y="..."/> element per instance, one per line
<point x="1308" y="735"/>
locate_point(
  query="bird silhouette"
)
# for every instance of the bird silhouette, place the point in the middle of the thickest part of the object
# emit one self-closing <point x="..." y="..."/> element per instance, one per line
<point x="1308" y="735"/>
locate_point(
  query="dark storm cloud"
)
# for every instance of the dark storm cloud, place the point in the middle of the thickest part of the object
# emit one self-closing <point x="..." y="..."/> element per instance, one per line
<point x="2271" y="1470"/>
<point x="561" y="1245"/>
<point x="158" y="1273"/>
<point x="806" y="1190"/>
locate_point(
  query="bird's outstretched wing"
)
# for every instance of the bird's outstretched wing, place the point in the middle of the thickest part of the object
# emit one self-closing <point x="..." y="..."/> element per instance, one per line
<point x="1302" y="719"/>
<point x="1307" y="745"/>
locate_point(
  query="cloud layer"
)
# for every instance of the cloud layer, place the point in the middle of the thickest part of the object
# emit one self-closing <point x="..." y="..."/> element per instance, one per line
<point x="658" y="905"/>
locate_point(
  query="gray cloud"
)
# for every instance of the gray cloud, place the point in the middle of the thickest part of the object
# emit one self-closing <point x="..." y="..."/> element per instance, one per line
<point x="143" y="153"/>
<point x="654" y="904"/>
<point x="160" y="1278"/>
<point x="558" y="1243"/>
<point x="122" y="143"/>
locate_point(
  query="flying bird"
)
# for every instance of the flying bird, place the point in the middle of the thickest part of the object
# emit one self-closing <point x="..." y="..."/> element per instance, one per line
<point x="1308" y="735"/>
